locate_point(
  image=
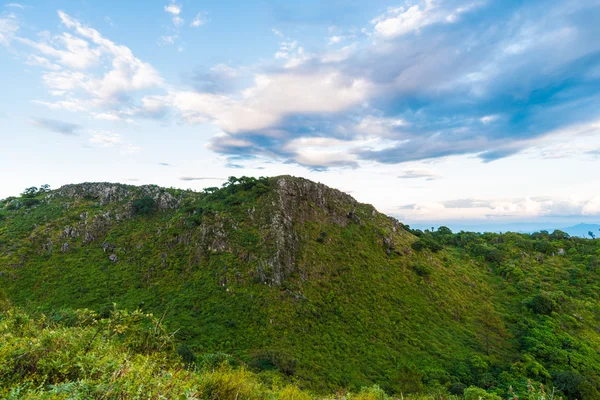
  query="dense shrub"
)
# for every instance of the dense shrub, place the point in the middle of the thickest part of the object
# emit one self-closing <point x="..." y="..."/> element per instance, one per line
<point x="144" y="206"/>
<point x="475" y="393"/>
<point x="543" y="303"/>
<point x="125" y="356"/>
<point x="426" y="243"/>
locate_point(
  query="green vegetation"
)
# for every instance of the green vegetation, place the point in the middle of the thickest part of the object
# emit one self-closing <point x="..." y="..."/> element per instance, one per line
<point x="144" y="206"/>
<point x="130" y="355"/>
<point x="288" y="282"/>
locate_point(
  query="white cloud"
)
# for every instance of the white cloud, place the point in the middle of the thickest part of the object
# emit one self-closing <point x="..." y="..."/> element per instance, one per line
<point x="503" y="208"/>
<point x="270" y="99"/>
<point x="111" y="139"/>
<point x="403" y="20"/>
<point x="37" y="61"/>
<point x="488" y="119"/>
<point x="225" y="70"/>
<point x="199" y="20"/>
<point x="378" y="126"/>
<point x="290" y="52"/>
<point x="106" y="139"/>
<point x="107" y="116"/>
<point x="173" y="8"/>
<point x="277" y="32"/>
<point x="321" y="152"/>
<point x="285" y="48"/>
<point x="400" y="21"/>
<point x="572" y="141"/>
<point x="592" y="207"/>
<point x="339" y="55"/>
<point x="178" y="21"/>
<point x="69" y="105"/>
<point x="81" y="77"/>
<point x="167" y="40"/>
<point x="319" y="158"/>
<point x="418" y="173"/>
<point x="68" y="50"/>
<point x="336" y="39"/>
<point x="15" y="5"/>
<point x="9" y="25"/>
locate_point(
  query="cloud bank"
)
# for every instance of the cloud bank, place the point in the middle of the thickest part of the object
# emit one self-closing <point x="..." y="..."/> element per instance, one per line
<point x="423" y="80"/>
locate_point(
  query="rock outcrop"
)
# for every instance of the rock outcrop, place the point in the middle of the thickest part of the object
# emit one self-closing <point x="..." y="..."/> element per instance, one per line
<point x="107" y="193"/>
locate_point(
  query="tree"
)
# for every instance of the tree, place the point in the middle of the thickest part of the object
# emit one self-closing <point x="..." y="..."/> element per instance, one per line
<point x="44" y="188"/>
<point x="592" y="235"/>
<point x="30" y="192"/>
<point x="210" y="190"/>
<point x="491" y="326"/>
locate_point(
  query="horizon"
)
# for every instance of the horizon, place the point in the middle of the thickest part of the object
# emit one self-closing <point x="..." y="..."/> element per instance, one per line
<point x="440" y="113"/>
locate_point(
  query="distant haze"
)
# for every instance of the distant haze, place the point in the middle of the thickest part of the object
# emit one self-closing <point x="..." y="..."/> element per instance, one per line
<point x="580" y="230"/>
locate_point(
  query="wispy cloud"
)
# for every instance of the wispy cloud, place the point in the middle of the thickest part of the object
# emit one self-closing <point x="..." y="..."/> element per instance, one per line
<point x="167" y="40"/>
<point x="64" y="128"/>
<point x="200" y="19"/>
<point x="200" y="178"/>
<point x="88" y="72"/>
<point x="503" y="208"/>
<point x="114" y="140"/>
<point x="173" y="9"/>
<point x="9" y="25"/>
<point x="419" y="174"/>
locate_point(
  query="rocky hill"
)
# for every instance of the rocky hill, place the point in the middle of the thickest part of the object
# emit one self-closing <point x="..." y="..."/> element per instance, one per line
<point x="291" y="277"/>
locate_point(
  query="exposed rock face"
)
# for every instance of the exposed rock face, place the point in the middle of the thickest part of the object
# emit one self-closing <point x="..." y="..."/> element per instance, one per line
<point x="105" y="192"/>
<point x="303" y="199"/>
<point x="114" y="192"/>
<point x="296" y="201"/>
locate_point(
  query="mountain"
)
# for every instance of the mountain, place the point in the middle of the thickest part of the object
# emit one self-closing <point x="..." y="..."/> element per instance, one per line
<point x="293" y="278"/>
<point x="582" y="230"/>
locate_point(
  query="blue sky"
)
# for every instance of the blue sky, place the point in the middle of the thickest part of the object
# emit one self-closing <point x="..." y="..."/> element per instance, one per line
<point x="456" y="112"/>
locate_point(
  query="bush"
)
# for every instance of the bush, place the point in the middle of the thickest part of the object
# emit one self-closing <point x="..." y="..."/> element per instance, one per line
<point x="427" y="243"/>
<point x="273" y="359"/>
<point x="458" y="389"/>
<point x="28" y="202"/>
<point x="213" y="361"/>
<point x="475" y="393"/>
<point x="30" y="192"/>
<point x="421" y="269"/>
<point x="144" y="206"/>
<point x="542" y="304"/>
<point x="187" y="355"/>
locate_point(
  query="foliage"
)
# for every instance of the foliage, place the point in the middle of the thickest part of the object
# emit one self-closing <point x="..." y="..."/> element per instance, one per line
<point x="124" y="356"/>
<point x="144" y="206"/>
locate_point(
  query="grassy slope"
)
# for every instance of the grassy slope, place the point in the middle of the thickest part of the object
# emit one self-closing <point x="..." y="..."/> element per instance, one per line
<point x="361" y="305"/>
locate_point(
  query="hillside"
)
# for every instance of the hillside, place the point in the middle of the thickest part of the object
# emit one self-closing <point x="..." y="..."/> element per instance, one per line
<point x="288" y="275"/>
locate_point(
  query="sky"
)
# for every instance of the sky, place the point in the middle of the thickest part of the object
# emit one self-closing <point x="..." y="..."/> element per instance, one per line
<point x="460" y="113"/>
